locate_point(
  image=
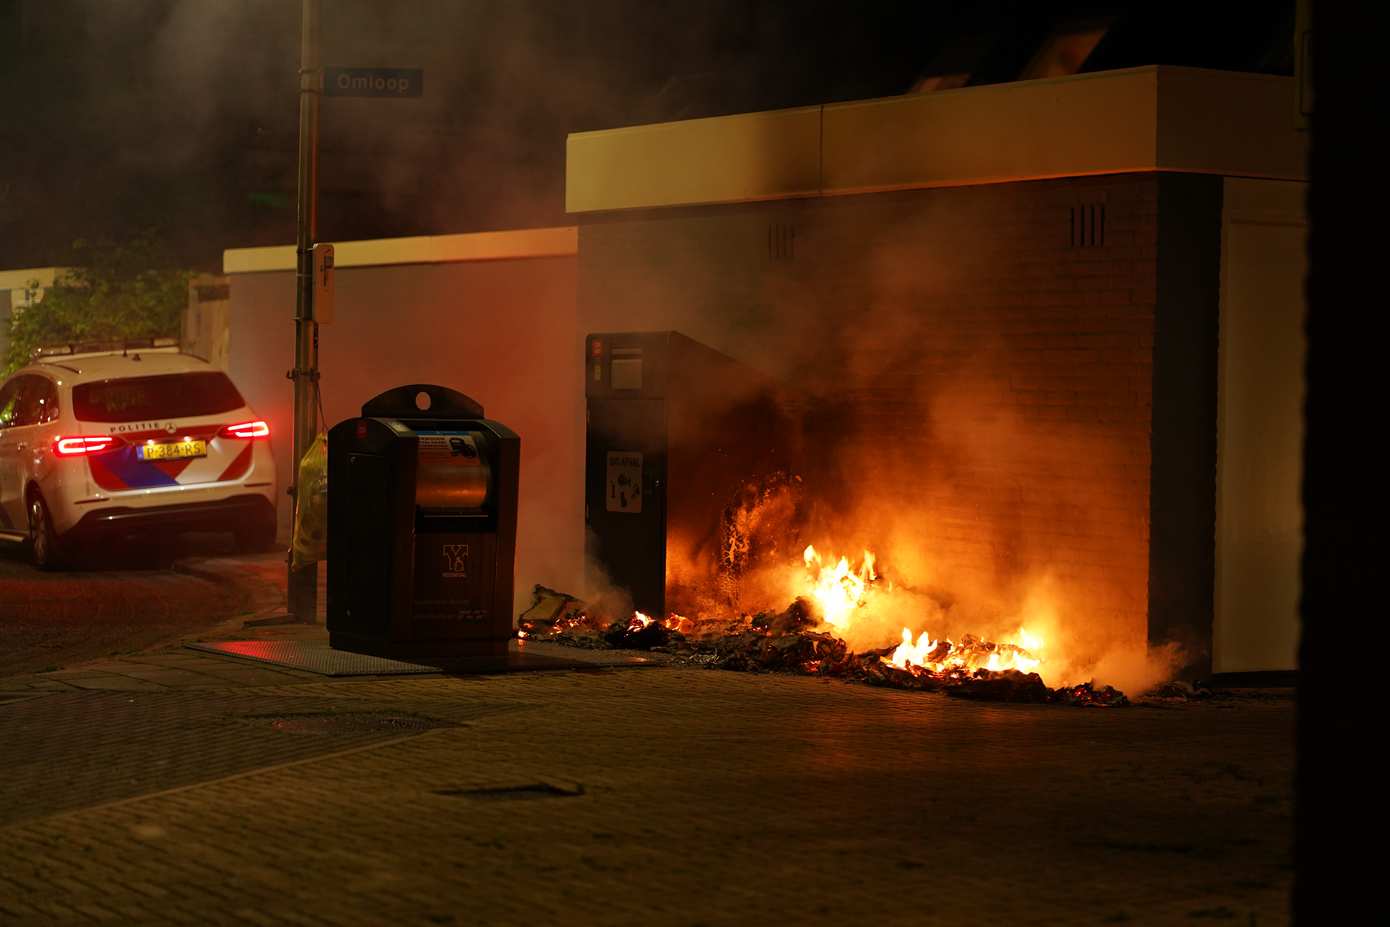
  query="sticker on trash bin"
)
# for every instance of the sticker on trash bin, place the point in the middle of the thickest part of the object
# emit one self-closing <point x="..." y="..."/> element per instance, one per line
<point x="624" y="482"/>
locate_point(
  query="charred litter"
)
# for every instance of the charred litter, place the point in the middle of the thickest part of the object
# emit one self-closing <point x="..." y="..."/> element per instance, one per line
<point x="791" y="641"/>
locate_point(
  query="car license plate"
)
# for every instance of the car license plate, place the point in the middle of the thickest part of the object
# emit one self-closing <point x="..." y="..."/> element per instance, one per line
<point x="173" y="450"/>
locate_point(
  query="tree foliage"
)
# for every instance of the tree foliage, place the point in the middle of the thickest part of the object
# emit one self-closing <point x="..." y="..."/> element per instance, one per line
<point x="114" y="291"/>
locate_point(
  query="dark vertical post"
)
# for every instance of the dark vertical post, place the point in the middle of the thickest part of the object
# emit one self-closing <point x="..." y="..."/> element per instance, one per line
<point x="1182" y="487"/>
<point x="1341" y="687"/>
<point x="303" y="583"/>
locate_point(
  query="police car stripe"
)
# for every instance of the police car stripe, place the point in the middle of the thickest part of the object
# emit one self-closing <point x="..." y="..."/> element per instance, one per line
<point x="130" y="471"/>
<point x="238" y="467"/>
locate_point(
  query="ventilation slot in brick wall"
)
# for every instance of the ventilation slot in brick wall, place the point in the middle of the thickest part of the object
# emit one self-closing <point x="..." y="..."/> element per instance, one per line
<point x="1088" y="225"/>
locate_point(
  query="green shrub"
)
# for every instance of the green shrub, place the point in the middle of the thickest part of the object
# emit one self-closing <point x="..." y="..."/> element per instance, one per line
<point x="114" y="291"/>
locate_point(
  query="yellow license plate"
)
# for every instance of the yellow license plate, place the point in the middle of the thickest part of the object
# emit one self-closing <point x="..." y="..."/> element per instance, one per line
<point x="173" y="450"/>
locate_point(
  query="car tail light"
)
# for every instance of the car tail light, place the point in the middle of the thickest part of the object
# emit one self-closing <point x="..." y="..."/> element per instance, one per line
<point x="78" y="445"/>
<point x="256" y="429"/>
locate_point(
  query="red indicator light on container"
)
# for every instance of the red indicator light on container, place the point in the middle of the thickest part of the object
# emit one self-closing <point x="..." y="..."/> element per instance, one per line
<point x="596" y="348"/>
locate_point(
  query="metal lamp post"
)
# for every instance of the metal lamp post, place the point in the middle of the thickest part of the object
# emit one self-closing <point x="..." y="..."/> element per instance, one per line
<point x="303" y="582"/>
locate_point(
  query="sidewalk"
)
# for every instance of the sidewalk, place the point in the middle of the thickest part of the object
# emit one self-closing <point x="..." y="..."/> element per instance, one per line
<point x="183" y="787"/>
<point x="53" y="619"/>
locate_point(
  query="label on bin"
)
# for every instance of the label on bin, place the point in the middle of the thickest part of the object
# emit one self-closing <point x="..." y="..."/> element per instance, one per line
<point x="454" y="575"/>
<point x="455" y="561"/>
<point x="624" y="490"/>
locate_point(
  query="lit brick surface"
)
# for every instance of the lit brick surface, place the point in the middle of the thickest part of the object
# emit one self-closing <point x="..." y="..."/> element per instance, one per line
<point x="994" y="377"/>
<point x="708" y="798"/>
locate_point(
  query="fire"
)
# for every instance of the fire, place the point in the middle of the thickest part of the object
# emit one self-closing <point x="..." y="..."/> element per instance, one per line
<point x="673" y="622"/>
<point x="838" y="590"/>
<point x="841" y="624"/>
<point x="941" y="656"/>
<point x="859" y="608"/>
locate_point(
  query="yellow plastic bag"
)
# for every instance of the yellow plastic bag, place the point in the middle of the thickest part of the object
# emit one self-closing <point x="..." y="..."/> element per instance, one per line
<point x="311" y="506"/>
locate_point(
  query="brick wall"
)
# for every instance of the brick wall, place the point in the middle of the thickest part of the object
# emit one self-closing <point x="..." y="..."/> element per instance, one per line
<point x="976" y="365"/>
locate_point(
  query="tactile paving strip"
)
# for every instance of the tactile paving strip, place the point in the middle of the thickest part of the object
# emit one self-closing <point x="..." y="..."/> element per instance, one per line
<point x="315" y="656"/>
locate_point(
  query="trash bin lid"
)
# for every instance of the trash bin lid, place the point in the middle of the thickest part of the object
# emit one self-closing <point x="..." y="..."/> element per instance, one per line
<point x="422" y="400"/>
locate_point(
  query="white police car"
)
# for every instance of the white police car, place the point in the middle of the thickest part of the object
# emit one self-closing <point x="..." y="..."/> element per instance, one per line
<point x="135" y="443"/>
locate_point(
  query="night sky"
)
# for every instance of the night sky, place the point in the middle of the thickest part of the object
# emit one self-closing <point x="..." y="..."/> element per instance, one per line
<point x="181" y="115"/>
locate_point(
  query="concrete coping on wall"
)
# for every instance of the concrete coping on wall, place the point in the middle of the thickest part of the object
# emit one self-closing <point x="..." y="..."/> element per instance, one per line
<point x="512" y="244"/>
<point x="23" y="278"/>
<point x="1155" y="118"/>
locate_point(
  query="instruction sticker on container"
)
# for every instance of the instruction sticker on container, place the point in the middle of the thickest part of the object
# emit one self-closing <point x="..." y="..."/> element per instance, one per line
<point x="624" y="482"/>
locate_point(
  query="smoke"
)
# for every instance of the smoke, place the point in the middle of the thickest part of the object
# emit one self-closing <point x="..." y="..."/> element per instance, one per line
<point x="995" y="461"/>
<point x="975" y="414"/>
<point x="1138" y="669"/>
<point x="983" y="471"/>
<point x="190" y="109"/>
<point x="602" y="596"/>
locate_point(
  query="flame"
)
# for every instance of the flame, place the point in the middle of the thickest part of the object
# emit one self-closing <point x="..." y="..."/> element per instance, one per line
<point x="860" y="608"/>
<point x="838" y="589"/>
<point x="942" y="656"/>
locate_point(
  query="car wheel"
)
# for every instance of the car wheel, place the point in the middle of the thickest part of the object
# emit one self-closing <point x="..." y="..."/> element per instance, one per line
<point x="44" y="548"/>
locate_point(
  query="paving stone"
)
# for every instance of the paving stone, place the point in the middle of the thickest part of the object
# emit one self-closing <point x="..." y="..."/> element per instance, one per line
<point x="173" y="678"/>
<point x="49" y="684"/>
<point x="112" y="683"/>
<point x="244" y="676"/>
<point x="677" y="796"/>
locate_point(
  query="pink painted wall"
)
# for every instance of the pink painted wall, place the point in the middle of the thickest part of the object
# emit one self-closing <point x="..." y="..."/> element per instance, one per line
<point x="504" y="332"/>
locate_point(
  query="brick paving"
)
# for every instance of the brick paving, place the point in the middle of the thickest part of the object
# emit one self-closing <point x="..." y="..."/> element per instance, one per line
<point x="62" y="618"/>
<point x="628" y="796"/>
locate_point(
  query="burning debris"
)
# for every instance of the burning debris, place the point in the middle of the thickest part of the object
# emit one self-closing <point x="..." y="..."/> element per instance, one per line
<point x="808" y="638"/>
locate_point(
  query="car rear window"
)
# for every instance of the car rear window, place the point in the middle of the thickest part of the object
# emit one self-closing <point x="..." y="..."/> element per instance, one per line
<point x="138" y="399"/>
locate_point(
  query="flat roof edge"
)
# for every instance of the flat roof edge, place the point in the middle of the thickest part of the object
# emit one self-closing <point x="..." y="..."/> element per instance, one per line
<point x="949" y="184"/>
<point x="511" y="244"/>
<point x="1154" y="118"/>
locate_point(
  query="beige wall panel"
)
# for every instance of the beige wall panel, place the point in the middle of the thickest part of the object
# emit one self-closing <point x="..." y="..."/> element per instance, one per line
<point x="1246" y="201"/>
<point x="504" y="332"/>
<point x="1101" y="123"/>
<point x="720" y="160"/>
<point x="1221" y="122"/>
<point x="1259" y="521"/>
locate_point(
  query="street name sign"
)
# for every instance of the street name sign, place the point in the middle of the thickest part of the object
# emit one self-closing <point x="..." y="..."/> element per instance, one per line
<point x="373" y="82"/>
<point x="325" y="288"/>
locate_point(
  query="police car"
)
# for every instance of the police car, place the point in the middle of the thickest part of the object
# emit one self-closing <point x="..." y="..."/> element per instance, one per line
<point x="131" y="443"/>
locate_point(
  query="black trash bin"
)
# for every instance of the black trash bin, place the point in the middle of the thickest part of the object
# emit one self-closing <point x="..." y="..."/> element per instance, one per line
<point x="421" y="527"/>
